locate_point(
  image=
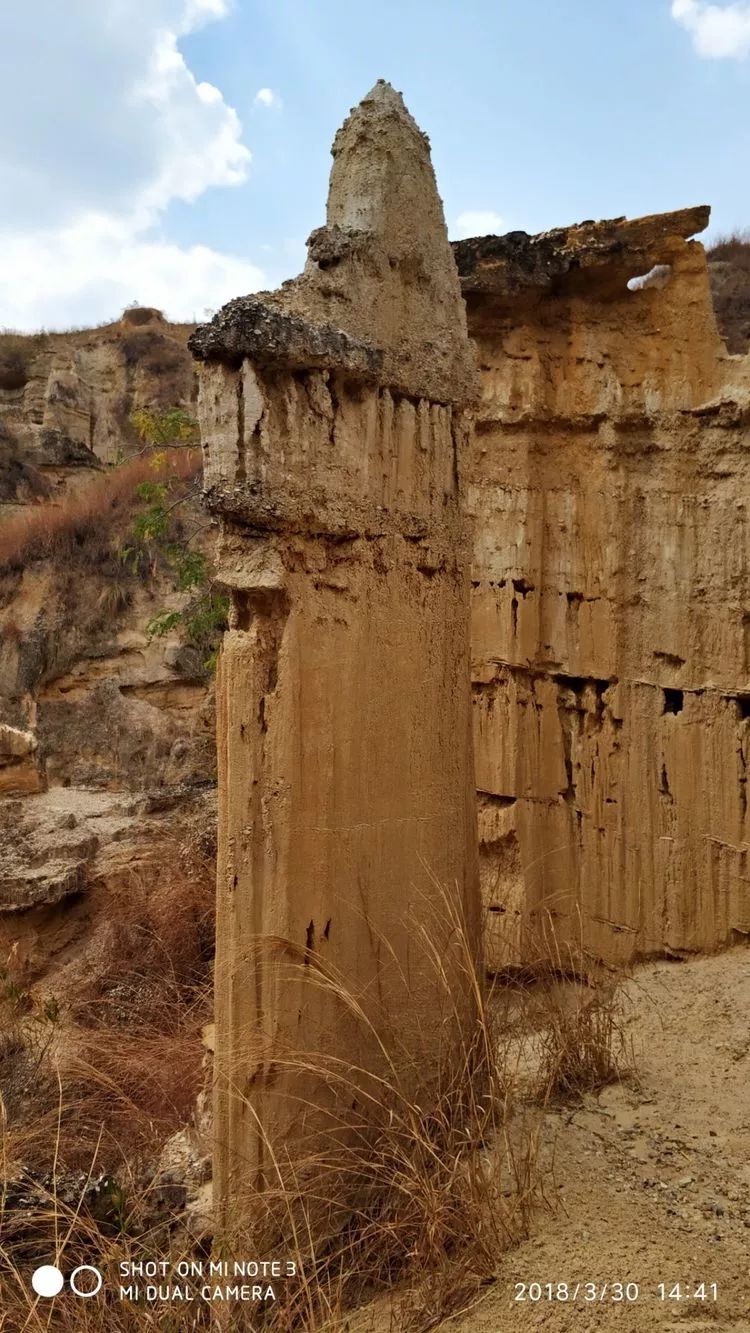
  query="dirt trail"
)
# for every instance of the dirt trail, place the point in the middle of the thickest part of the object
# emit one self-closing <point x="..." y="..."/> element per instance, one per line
<point x="651" y="1177"/>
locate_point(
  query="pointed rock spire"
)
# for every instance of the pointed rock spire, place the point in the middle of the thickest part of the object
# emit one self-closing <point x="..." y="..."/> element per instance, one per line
<point x="382" y="267"/>
<point x="381" y="271"/>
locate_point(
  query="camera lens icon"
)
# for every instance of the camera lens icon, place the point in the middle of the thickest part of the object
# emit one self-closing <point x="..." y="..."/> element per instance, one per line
<point x="48" y="1281"/>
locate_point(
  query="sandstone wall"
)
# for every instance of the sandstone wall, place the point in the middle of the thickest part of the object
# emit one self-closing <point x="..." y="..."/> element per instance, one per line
<point x="333" y="449"/>
<point x="609" y="482"/>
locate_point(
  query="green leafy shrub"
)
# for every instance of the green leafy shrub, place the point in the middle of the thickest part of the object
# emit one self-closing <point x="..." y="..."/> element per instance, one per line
<point x="205" y="617"/>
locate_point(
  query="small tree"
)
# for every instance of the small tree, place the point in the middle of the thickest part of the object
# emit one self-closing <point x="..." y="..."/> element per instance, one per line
<point x="169" y="427"/>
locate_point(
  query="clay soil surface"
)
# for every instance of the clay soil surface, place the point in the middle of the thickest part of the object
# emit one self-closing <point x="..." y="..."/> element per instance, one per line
<point x="651" y="1176"/>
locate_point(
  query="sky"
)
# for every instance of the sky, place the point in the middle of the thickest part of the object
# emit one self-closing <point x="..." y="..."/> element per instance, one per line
<point x="176" y="152"/>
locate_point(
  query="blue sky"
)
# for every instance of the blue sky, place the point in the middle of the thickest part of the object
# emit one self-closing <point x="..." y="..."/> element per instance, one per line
<point x="182" y="153"/>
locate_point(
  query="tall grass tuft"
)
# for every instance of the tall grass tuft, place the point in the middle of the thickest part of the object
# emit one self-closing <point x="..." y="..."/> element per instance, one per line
<point x="414" y="1171"/>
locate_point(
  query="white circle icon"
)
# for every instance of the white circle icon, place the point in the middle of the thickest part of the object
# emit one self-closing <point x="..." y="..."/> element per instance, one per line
<point x="86" y="1268"/>
<point x="47" y="1280"/>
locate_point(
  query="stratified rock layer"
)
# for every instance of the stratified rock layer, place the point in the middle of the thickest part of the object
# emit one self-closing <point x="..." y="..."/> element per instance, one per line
<point x="609" y="482"/>
<point x="333" y="417"/>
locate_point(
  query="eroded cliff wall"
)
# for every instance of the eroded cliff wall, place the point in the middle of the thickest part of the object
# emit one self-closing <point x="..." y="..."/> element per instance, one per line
<point x="609" y="483"/>
<point x="107" y="707"/>
<point x="334" y="419"/>
<point x="107" y="755"/>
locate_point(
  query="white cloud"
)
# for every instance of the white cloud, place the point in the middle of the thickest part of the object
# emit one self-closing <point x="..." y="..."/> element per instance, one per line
<point x="477" y="222"/>
<point x="719" y="32"/>
<point x="197" y="12"/>
<point x="90" y="271"/>
<point x="116" y="128"/>
<point x="267" y="97"/>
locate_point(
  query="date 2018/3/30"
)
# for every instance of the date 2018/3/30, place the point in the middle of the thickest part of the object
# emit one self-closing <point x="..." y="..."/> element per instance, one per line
<point x="615" y="1291"/>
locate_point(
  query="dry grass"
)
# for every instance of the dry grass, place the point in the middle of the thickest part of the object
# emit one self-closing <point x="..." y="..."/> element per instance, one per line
<point x="573" y="1007"/>
<point x="406" y="1187"/>
<point x="119" y="1029"/>
<point x="583" y="1044"/>
<point x="418" y="1174"/>
<point x="420" y="1183"/>
<point x="78" y="529"/>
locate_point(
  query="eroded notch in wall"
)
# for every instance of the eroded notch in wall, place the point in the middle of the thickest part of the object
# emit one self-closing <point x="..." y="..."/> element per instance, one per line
<point x="659" y="276"/>
<point x="265" y="610"/>
<point x="674" y="701"/>
<point x="241" y="474"/>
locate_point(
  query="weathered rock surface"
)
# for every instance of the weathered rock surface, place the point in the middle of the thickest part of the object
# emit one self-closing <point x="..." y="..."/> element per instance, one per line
<point x="609" y="485"/>
<point x="74" y="864"/>
<point x="65" y="410"/>
<point x="105" y="706"/>
<point x="48" y="843"/>
<point x="333" y="456"/>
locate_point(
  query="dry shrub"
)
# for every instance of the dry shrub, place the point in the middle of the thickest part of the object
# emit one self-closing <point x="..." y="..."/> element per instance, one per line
<point x="18" y="478"/>
<point x="114" y="598"/>
<point x="17" y="351"/>
<point x="142" y="314"/>
<point x="126" y="1057"/>
<point x="731" y="249"/>
<point x="582" y="1039"/>
<point x="131" y="1088"/>
<point x="571" y="1007"/>
<point x="135" y="1050"/>
<point x="78" y="529"/>
<point x="77" y="1155"/>
<point x="155" y="351"/>
<point x="729" y="270"/>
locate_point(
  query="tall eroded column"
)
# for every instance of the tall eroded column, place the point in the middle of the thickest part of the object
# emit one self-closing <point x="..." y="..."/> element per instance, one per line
<point x="334" y="413"/>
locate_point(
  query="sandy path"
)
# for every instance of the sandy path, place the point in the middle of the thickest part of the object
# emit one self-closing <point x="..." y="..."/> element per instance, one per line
<point x="653" y="1178"/>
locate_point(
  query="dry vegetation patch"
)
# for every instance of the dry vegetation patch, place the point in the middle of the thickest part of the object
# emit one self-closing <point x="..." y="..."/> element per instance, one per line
<point x="91" y="1090"/>
<point x="732" y="249"/>
<point x="729" y="271"/>
<point x="17" y="351"/>
<point x="413" y="1192"/>
<point x="79" y="529"/>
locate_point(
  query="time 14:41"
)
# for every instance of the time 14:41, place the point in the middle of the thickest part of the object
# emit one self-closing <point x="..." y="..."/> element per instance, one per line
<point x="688" y="1291"/>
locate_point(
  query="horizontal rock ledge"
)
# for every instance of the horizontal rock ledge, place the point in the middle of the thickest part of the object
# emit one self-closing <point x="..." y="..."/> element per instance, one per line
<point x="250" y="327"/>
<point x="507" y="264"/>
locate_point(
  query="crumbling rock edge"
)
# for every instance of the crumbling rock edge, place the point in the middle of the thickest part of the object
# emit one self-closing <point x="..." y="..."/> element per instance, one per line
<point x="251" y="327"/>
<point x="510" y="263"/>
